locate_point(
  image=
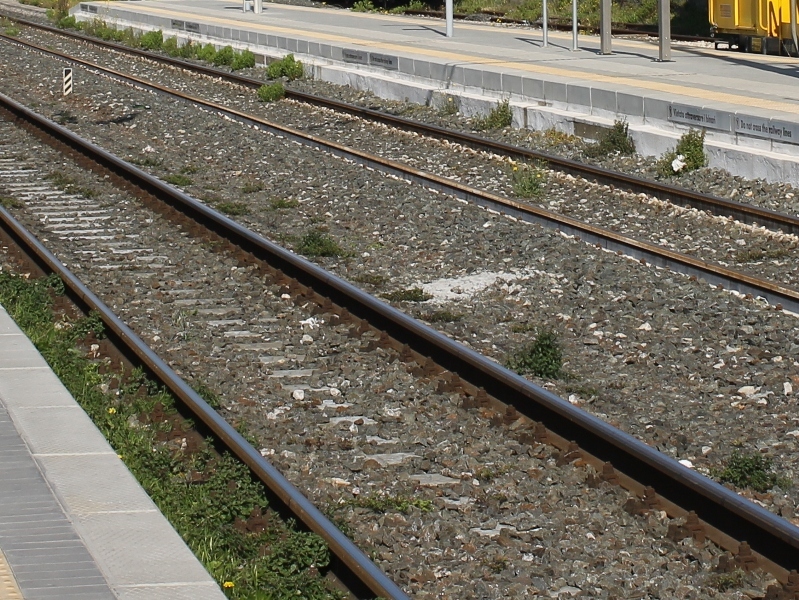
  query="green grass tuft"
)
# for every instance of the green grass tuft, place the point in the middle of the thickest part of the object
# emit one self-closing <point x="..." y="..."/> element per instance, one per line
<point x="178" y="179"/>
<point x="243" y="60"/>
<point x="500" y="116"/>
<point x="690" y="150"/>
<point x="271" y="92"/>
<point x="317" y="243"/>
<point x="363" y="6"/>
<point x="152" y="40"/>
<point x="286" y="67"/>
<point x="374" y="279"/>
<point x="233" y="209"/>
<point x="528" y="180"/>
<point x="281" y="203"/>
<point x="541" y="358"/>
<point x="410" y="295"/>
<point x="206" y="53"/>
<point x="759" y="254"/>
<point x="9" y="202"/>
<point x="752" y="471"/>
<point x="615" y="140"/>
<point x="725" y="582"/>
<point x="442" y="316"/>
<point x="225" y="57"/>
<point x="382" y="503"/>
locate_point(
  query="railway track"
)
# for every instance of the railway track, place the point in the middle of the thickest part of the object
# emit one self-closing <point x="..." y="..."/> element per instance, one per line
<point x="771" y="289"/>
<point x="77" y="218"/>
<point x="666" y="192"/>
<point x="682" y="489"/>
<point x="427" y="183"/>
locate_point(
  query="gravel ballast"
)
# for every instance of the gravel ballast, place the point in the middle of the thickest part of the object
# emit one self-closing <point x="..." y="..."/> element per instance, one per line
<point x="695" y="372"/>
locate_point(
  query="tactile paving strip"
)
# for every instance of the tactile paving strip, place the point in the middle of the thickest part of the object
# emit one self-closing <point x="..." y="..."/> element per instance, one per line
<point x="9" y="590"/>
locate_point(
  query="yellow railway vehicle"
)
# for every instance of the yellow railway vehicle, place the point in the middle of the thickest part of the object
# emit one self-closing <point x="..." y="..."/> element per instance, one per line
<point x="755" y="25"/>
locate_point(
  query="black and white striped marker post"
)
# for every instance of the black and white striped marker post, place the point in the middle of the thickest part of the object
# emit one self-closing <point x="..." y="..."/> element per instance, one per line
<point x="67" y="81"/>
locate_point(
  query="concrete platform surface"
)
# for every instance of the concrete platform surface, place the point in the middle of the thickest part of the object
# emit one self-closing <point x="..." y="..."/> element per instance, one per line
<point x="74" y="523"/>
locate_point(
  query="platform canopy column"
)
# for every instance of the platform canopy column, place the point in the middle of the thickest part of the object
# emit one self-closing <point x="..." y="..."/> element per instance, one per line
<point x="664" y="30"/>
<point x="545" y="23"/>
<point x="604" y="27"/>
<point x="450" y="15"/>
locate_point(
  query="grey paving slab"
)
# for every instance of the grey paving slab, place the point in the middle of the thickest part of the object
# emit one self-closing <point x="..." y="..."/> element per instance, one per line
<point x="7" y="328"/>
<point x="630" y="104"/>
<point x="580" y="95"/>
<point x="603" y="100"/>
<point x="60" y="430"/>
<point x="27" y="542"/>
<point x="473" y="77"/>
<point x="140" y="549"/>
<point x="74" y="523"/>
<point x="512" y="84"/>
<point x="12" y="356"/>
<point x="492" y="80"/>
<point x="113" y="487"/>
<point x="555" y="91"/>
<point x="164" y="592"/>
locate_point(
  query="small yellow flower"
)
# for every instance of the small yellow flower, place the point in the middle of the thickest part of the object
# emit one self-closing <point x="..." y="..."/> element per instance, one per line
<point x="228" y="585"/>
<point x="119" y="456"/>
<point x="112" y="411"/>
<point x="515" y="168"/>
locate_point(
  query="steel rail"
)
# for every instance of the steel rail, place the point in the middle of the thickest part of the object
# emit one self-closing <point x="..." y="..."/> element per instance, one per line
<point x="657" y="255"/>
<point x="361" y="573"/>
<point x="740" y="211"/>
<point x="773" y="537"/>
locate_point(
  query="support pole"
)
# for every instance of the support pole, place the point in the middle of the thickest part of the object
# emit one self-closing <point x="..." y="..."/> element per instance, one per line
<point x="604" y="27"/>
<point x="664" y="30"/>
<point x="574" y="25"/>
<point x="545" y="24"/>
<point x="258" y="7"/>
<point x="450" y="12"/>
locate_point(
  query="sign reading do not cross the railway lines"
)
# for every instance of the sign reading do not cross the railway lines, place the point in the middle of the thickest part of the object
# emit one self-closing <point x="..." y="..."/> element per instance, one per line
<point x="67" y="81"/>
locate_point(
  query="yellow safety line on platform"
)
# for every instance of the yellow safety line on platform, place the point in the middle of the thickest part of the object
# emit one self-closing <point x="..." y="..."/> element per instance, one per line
<point x="9" y="590"/>
<point x="666" y="88"/>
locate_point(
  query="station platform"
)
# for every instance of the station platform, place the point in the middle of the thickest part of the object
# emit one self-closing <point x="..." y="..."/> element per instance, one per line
<point x="748" y="104"/>
<point x="74" y="523"/>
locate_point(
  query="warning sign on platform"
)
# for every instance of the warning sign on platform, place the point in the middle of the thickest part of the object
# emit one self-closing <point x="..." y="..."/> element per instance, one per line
<point x="702" y="117"/>
<point x="781" y="131"/>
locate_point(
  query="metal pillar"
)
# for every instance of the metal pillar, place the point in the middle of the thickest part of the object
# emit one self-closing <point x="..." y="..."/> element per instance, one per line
<point x="604" y="27"/>
<point x="258" y="7"/>
<point x="545" y="24"/>
<point x="450" y="11"/>
<point x="664" y="30"/>
<point x="574" y="25"/>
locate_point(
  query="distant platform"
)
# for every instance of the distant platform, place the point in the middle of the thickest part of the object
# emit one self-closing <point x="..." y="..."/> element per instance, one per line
<point x="747" y="103"/>
<point x="74" y="523"/>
